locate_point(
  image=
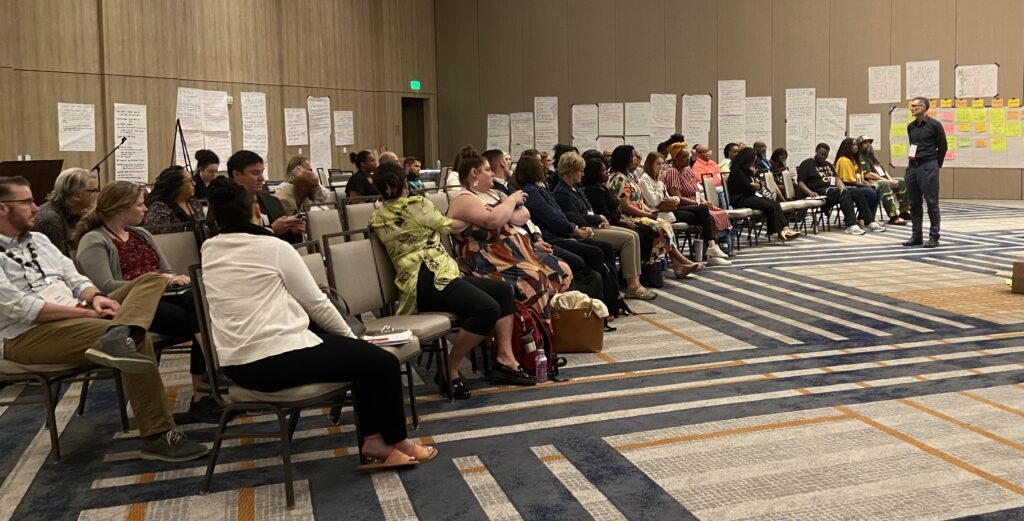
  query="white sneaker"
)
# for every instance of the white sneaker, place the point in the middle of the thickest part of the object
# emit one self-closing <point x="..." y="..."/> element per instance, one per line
<point x="855" y="230"/>
<point x="718" y="262"/>
<point x="876" y="227"/>
<point x="715" y="252"/>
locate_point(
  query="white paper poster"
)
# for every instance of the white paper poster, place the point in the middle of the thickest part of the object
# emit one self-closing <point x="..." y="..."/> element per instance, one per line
<point x="638" y="118"/>
<point x="923" y="79"/>
<point x="584" y="122"/>
<point x="884" y="84"/>
<point x="76" y="123"/>
<point x="610" y="119"/>
<point x="131" y="161"/>
<point x="216" y="125"/>
<point x="759" y="120"/>
<point x="642" y="144"/>
<point x="732" y="111"/>
<point x="545" y="122"/>
<point x="583" y="144"/>
<point x="319" y="111"/>
<point x="498" y="132"/>
<point x="696" y="118"/>
<point x="344" y="128"/>
<point x="296" y="131"/>
<point x="977" y="81"/>
<point x="869" y="125"/>
<point x="609" y="142"/>
<point x="522" y="132"/>
<point x="800" y="123"/>
<point x="663" y="116"/>
<point x="255" y="136"/>
<point x="830" y="122"/>
<point x="189" y="113"/>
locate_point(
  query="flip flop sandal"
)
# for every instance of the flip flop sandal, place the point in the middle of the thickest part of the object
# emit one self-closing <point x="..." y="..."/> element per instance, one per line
<point x="396" y="459"/>
<point x="423" y="453"/>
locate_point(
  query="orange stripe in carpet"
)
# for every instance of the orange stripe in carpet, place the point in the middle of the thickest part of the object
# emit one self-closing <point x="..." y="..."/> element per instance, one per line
<point x="863" y="384"/>
<point x="246" y="465"/>
<point x="669" y="330"/>
<point x="551" y="458"/>
<point x="148" y="477"/>
<point x="1005" y="335"/>
<point x="921" y="378"/>
<point x="803" y="391"/>
<point x="606" y="358"/>
<point x="137" y="511"/>
<point x="246" y="504"/>
<point x="962" y="424"/>
<point x="472" y="470"/>
<point x="730" y="432"/>
<point x="794" y="356"/>
<point x="935" y="452"/>
<point x="997" y="405"/>
<point x="826" y="369"/>
<point x="339" y="453"/>
<point x="973" y="371"/>
<point x="880" y="363"/>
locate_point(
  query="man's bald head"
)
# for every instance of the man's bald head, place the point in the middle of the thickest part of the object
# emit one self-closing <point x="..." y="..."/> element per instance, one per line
<point x="387" y="157"/>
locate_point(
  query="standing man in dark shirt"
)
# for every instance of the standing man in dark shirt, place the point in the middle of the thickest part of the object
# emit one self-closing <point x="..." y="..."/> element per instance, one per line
<point x="926" y="154"/>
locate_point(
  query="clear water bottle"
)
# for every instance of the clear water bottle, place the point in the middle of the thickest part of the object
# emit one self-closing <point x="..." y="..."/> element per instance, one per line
<point x="542" y="367"/>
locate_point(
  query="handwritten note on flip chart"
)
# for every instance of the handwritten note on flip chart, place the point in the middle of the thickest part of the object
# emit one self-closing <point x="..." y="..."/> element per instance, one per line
<point x="696" y="116"/>
<point x="498" y="131"/>
<point x="759" y="120"/>
<point x="884" y="84"/>
<point x="923" y="79"/>
<point x="545" y="122"/>
<point x="638" y="118"/>
<point x="296" y="130"/>
<point x="869" y="125"/>
<point x="131" y="161"/>
<point x="610" y="119"/>
<point x="319" y="111"/>
<point x="800" y="122"/>
<point x="521" y="129"/>
<point x="663" y="115"/>
<point x="76" y="127"/>
<point x="255" y="136"/>
<point x="584" y="122"/>
<point x="344" y="128"/>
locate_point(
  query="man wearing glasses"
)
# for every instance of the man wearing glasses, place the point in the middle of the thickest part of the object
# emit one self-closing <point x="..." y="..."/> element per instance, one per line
<point x="926" y="154"/>
<point x="73" y="193"/>
<point x="51" y="314"/>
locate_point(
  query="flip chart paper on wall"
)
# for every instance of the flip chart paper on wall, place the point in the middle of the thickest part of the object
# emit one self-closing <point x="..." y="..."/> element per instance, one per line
<point x="189" y="112"/>
<point x="866" y="125"/>
<point x="830" y="118"/>
<point x="521" y="132"/>
<point x="696" y="116"/>
<point x="638" y="118"/>
<point x="344" y="128"/>
<point x="76" y="124"/>
<point x="255" y="136"/>
<point x="610" y="119"/>
<point x="800" y="122"/>
<point x="923" y="79"/>
<point x="545" y="122"/>
<point x="977" y="81"/>
<point x="663" y="116"/>
<point x="884" y="84"/>
<point x="216" y="125"/>
<point x="296" y="130"/>
<point x="319" y="110"/>
<point x="498" y="131"/>
<point x="759" y="120"/>
<point x="609" y="142"/>
<point x="131" y="161"/>
<point x="732" y="111"/>
<point x="584" y="122"/>
<point x="585" y="144"/>
<point x="642" y="144"/>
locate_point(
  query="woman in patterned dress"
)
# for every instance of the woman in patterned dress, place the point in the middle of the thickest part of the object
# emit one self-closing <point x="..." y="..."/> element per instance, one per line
<point x="625" y="185"/>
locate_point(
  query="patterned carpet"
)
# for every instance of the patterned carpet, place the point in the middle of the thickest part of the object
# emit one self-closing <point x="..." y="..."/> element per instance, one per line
<point x="834" y="378"/>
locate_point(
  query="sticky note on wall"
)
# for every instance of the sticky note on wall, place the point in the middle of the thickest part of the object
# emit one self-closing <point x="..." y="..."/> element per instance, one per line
<point x="1013" y="128"/>
<point x="978" y="103"/>
<point x="963" y="114"/>
<point x="964" y="142"/>
<point x="898" y="129"/>
<point x="981" y="142"/>
<point x="978" y="115"/>
<point x="898" y="149"/>
<point x="950" y="142"/>
<point x="999" y="144"/>
<point x="965" y="128"/>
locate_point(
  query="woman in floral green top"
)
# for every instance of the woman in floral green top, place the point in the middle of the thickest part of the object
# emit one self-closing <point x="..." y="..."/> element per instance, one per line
<point x="429" y="279"/>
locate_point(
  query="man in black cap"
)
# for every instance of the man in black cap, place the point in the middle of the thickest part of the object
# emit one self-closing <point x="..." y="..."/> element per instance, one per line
<point x="892" y="190"/>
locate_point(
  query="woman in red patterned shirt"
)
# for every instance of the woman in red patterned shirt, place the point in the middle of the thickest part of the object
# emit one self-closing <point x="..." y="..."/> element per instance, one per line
<point x="682" y="183"/>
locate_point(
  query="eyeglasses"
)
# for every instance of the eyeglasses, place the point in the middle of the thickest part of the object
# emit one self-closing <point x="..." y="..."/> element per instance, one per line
<point x="92" y="190"/>
<point x="22" y="201"/>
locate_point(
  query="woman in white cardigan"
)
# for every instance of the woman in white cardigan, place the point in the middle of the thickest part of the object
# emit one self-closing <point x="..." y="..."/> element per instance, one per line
<point x="262" y="298"/>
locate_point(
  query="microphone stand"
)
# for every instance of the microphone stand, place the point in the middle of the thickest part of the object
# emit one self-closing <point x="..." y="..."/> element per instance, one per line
<point x="97" y="167"/>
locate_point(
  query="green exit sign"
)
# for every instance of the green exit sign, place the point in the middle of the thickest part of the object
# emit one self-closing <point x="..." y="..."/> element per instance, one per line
<point x="414" y="84"/>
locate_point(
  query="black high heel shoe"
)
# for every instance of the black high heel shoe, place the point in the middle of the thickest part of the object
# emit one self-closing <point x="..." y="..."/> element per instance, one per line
<point x="459" y="389"/>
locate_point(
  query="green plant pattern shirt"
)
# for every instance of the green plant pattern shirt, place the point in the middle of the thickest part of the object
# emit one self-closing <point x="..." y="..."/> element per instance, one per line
<point x="411" y="228"/>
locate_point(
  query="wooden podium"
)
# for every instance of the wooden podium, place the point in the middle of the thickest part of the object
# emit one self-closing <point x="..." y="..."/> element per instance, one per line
<point x="41" y="174"/>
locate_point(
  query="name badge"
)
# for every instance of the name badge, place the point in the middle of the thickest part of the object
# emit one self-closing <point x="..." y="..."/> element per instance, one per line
<point x="266" y="219"/>
<point x="831" y="181"/>
<point x="912" y="153"/>
<point x="58" y="293"/>
<point x="590" y="212"/>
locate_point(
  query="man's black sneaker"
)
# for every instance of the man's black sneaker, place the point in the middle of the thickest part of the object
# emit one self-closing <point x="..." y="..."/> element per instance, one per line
<point x="172" y="446"/>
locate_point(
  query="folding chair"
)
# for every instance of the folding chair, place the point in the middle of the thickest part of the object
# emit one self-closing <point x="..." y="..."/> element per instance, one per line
<point x="286" y="404"/>
<point x="326" y="219"/>
<point x="814" y="206"/>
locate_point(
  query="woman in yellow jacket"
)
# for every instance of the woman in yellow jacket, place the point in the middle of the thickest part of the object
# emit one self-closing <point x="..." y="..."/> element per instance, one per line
<point x="848" y="170"/>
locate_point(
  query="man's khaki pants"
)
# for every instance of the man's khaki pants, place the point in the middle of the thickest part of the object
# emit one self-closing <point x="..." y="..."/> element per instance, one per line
<point x="65" y="342"/>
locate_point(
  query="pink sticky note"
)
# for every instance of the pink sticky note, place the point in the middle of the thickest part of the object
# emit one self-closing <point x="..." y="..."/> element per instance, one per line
<point x="950" y="154"/>
<point x="947" y="115"/>
<point x="948" y="127"/>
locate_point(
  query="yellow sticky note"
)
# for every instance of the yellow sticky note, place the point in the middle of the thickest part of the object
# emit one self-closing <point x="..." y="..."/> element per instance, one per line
<point x="998" y="128"/>
<point x="980" y="127"/>
<point x="950" y="142"/>
<point x="963" y="114"/>
<point x="998" y="114"/>
<point x="1013" y="128"/>
<point x="946" y="104"/>
<point x="1012" y="114"/>
<point x="978" y="103"/>
<point x="999" y="144"/>
<point x="965" y="128"/>
<point x="961" y="103"/>
<point x="981" y="142"/>
<point x="964" y="142"/>
<point x="978" y="115"/>
<point x="898" y="129"/>
<point x="898" y="150"/>
<point x="996" y="102"/>
<point x="1013" y="103"/>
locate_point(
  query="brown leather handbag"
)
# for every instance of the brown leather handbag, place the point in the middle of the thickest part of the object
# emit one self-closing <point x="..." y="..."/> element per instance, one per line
<point x="577" y="331"/>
